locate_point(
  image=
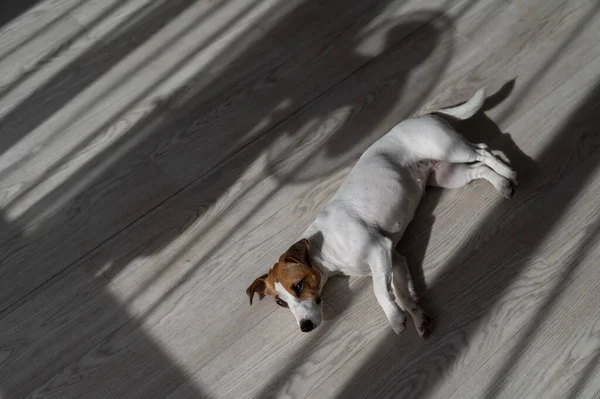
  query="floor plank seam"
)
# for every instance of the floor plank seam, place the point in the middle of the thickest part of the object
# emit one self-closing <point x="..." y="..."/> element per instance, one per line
<point x="86" y="256"/>
<point x="114" y="286"/>
<point x="16" y="304"/>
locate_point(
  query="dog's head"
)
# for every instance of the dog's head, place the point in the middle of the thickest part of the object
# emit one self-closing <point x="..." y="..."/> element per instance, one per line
<point x="295" y="283"/>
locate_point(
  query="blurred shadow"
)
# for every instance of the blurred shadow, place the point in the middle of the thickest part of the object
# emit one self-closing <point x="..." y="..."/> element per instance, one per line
<point x="40" y="31"/>
<point x="585" y="376"/>
<point x="82" y="72"/>
<point x="414" y="369"/>
<point x="549" y="61"/>
<point x="333" y="154"/>
<point x="113" y="190"/>
<point x="11" y="9"/>
<point x="56" y="339"/>
<point x="499" y="381"/>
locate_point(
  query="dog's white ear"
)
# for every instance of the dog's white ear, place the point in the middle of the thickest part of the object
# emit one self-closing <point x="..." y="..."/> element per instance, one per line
<point x="259" y="286"/>
<point x="299" y="253"/>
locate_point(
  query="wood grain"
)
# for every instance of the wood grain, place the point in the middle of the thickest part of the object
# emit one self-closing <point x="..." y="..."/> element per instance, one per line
<point x="179" y="282"/>
<point x="59" y="322"/>
<point x="555" y="356"/>
<point x="490" y="296"/>
<point x="532" y="43"/>
<point x="181" y="146"/>
<point x="321" y="56"/>
<point x="307" y="359"/>
<point x="540" y="134"/>
<point x="62" y="186"/>
<point x="139" y="368"/>
<point x="34" y="250"/>
<point x="476" y="211"/>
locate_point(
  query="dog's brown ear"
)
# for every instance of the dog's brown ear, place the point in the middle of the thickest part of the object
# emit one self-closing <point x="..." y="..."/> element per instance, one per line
<point x="259" y="286"/>
<point x="299" y="252"/>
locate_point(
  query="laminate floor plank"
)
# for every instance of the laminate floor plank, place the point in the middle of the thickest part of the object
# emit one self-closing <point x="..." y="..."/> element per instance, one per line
<point x="77" y="175"/>
<point x="554" y="356"/>
<point x="60" y="321"/>
<point x="529" y="45"/>
<point x="260" y="372"/>
<point x="140" y="368"/>
<point x="36" y="251"/>
<point x="454" y="224"/>
<point x="507" y="288"/>
<point x="319" y="58"/>
<point x="179" y="147"/>
<point x="178" y="282"/>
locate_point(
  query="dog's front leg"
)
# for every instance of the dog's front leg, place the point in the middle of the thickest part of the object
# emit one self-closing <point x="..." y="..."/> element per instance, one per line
<point x="380" y="262"/>
<point x="405" y="292"/>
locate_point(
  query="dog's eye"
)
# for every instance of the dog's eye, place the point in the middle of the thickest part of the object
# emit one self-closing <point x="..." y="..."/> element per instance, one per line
<point x="281" y="302"/>
<point x="299" y="287"/>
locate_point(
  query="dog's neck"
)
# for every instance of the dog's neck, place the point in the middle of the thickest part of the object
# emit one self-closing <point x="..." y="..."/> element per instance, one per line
<point x="315" y="240"/>
<point x="323" y="271"/>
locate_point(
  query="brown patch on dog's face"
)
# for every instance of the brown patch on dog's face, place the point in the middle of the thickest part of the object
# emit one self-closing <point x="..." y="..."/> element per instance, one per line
<point x="295" y="273"/>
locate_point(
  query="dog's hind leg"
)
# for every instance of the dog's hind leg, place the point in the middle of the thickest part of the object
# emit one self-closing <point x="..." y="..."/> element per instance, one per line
<point x="461" y="151"/>
<point x="431" y="137"/>
<point x="455" y="175"/>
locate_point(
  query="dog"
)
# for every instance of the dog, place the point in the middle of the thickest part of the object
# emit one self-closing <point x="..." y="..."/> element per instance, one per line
<point x="365" y="219"/>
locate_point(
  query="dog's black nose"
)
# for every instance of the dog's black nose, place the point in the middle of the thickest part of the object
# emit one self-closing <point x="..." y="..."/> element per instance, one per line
<point x="306" y="325"/>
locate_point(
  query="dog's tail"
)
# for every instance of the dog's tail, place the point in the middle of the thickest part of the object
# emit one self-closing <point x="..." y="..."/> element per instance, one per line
<point x="466" y="110"/>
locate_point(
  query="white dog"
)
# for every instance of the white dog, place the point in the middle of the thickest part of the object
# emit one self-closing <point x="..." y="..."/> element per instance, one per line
<point x="360" y="227"/>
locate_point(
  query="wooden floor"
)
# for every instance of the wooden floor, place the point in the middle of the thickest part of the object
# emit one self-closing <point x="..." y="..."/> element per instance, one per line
<point x="158" y="155"/>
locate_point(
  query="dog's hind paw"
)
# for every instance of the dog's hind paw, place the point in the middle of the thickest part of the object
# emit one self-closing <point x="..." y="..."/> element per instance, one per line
<point x="508" y="189"/>
<point x="425" y="328"/>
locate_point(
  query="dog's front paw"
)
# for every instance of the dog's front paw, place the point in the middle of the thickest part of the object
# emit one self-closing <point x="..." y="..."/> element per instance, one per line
<point x="424" y="329"/>
<point x="398" y="322"/>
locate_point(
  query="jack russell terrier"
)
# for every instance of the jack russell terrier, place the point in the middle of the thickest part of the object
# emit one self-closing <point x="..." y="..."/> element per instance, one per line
<point x="362" y="224"/>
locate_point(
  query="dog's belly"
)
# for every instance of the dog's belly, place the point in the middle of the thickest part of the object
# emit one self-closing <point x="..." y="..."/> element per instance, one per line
<point x="385" y="197"/>
<point x="391" y="209"/>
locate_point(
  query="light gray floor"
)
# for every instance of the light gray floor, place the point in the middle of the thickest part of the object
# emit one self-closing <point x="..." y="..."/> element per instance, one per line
<point x="158" y="155"/>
